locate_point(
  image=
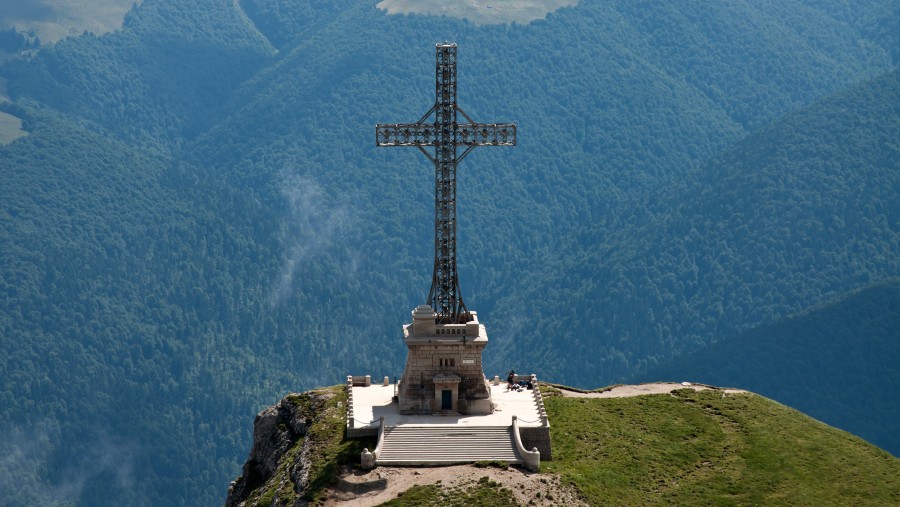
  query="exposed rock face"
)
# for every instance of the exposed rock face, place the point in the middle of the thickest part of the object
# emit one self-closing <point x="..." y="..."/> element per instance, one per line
<point x="276" y="431"/>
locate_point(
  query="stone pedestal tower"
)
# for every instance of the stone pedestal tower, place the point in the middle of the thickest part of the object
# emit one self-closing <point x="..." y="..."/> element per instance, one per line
<point x="443" y="367"/>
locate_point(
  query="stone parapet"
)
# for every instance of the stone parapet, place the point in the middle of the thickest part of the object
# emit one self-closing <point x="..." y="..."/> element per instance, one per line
<point x="354" y="428"/>
<point x="349" y="388"/>
<point x="538" y="438"/>
<point x="531" y="459"/>
<point x="539" y="401"/>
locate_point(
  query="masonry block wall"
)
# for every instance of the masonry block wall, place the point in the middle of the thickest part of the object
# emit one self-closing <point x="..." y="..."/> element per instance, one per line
<point x="537" y="437"/>
<point x="427" y="360"/>
<point x="449" y="355"/>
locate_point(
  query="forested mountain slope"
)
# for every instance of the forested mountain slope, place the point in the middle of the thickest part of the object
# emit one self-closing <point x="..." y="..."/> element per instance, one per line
<point x="786" y="219"/>
<point x="160" y="80"/>
<point x="836" y="363"/>
<point x="199" y="221"/>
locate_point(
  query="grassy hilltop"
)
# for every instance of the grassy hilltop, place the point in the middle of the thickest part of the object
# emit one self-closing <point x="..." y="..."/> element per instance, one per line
<point x="700" y="448"/>
<point x="684" y="448"/>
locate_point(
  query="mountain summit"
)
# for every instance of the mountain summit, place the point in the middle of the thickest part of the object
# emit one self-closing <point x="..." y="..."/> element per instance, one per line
<point x="680" y="444"/>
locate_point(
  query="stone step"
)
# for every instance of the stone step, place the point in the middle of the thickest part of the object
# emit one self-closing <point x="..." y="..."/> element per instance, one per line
<point x="424" y="445"/>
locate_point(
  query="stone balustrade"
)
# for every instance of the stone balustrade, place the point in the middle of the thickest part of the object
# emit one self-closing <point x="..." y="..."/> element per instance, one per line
<point x="367" y="459"/>
<point x="531" y="460"/>
<point x="354" y="428"/>
<point x="350" y="421"/>
<point x="539" y="401"/>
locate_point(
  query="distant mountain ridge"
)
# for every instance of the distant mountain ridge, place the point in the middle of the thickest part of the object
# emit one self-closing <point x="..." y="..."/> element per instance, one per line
<point x="784" y="220"/>
<point x="198" y="217"/>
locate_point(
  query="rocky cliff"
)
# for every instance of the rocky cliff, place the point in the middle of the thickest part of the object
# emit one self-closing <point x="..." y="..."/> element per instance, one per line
<point x="297" y="446"/>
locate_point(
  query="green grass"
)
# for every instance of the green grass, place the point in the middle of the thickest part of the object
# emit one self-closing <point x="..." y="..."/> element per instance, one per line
<point x="700" y="448"/>
<point x="328" y="450"/>
<point x="483" y="493"/>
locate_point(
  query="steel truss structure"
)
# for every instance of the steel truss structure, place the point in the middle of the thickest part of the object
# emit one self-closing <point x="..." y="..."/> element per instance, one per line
<point x="445" y="134"/>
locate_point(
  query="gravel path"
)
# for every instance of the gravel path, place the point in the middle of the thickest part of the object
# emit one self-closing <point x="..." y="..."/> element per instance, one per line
<point x="625" y="391"/>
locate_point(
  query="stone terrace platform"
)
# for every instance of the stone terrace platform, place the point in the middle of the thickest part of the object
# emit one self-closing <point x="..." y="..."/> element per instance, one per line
<point x="372" y="402"/>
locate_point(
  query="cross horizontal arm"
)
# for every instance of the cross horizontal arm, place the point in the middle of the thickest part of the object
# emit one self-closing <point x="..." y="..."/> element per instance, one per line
<point x="486" y="134"/>
<point x="466" y="134"/>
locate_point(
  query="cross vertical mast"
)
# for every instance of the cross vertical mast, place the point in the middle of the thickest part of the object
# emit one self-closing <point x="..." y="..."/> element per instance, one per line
<point x="445" y="134"/>
<point x="444" y="295"/>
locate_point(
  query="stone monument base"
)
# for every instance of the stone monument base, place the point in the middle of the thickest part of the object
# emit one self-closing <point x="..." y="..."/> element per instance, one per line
<point x="443" y="371"/>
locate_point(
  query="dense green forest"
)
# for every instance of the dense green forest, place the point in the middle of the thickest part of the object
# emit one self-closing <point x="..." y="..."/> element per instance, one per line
<point x="785" y="219"/>
<point x="199" y="222"/>
<point x="14" y="41"/>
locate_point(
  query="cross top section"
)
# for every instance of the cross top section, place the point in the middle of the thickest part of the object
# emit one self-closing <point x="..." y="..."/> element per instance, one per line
<point x="445" y="134"/>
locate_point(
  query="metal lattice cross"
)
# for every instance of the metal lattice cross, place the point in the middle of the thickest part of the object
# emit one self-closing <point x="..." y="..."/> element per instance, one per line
<point x="445" y="134"/>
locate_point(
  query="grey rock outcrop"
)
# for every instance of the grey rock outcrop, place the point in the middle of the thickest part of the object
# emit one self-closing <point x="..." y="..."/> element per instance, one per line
<point x="277" y="430"/>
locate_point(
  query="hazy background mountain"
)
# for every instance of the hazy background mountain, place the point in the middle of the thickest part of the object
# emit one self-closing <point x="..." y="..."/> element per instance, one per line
<point x="52" y="20"/>
<point x="198" y="221"/>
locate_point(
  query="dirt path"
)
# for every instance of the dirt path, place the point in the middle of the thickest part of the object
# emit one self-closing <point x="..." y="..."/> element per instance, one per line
<point x="625" y="391"/>
<point x="364" y="489"/>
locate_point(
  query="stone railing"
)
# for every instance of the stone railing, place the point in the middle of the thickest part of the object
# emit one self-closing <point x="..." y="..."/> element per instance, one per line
<point x="531" y="460"/>
<point x="366" y="458"/>
<point x="350" y="421"/>
<point x="537" y="436"/>
<point x="539" y="401"/>
<point x="356" y="428"/>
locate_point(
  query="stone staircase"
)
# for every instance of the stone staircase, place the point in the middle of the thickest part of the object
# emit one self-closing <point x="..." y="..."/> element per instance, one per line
<point x="444" y="445"/>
